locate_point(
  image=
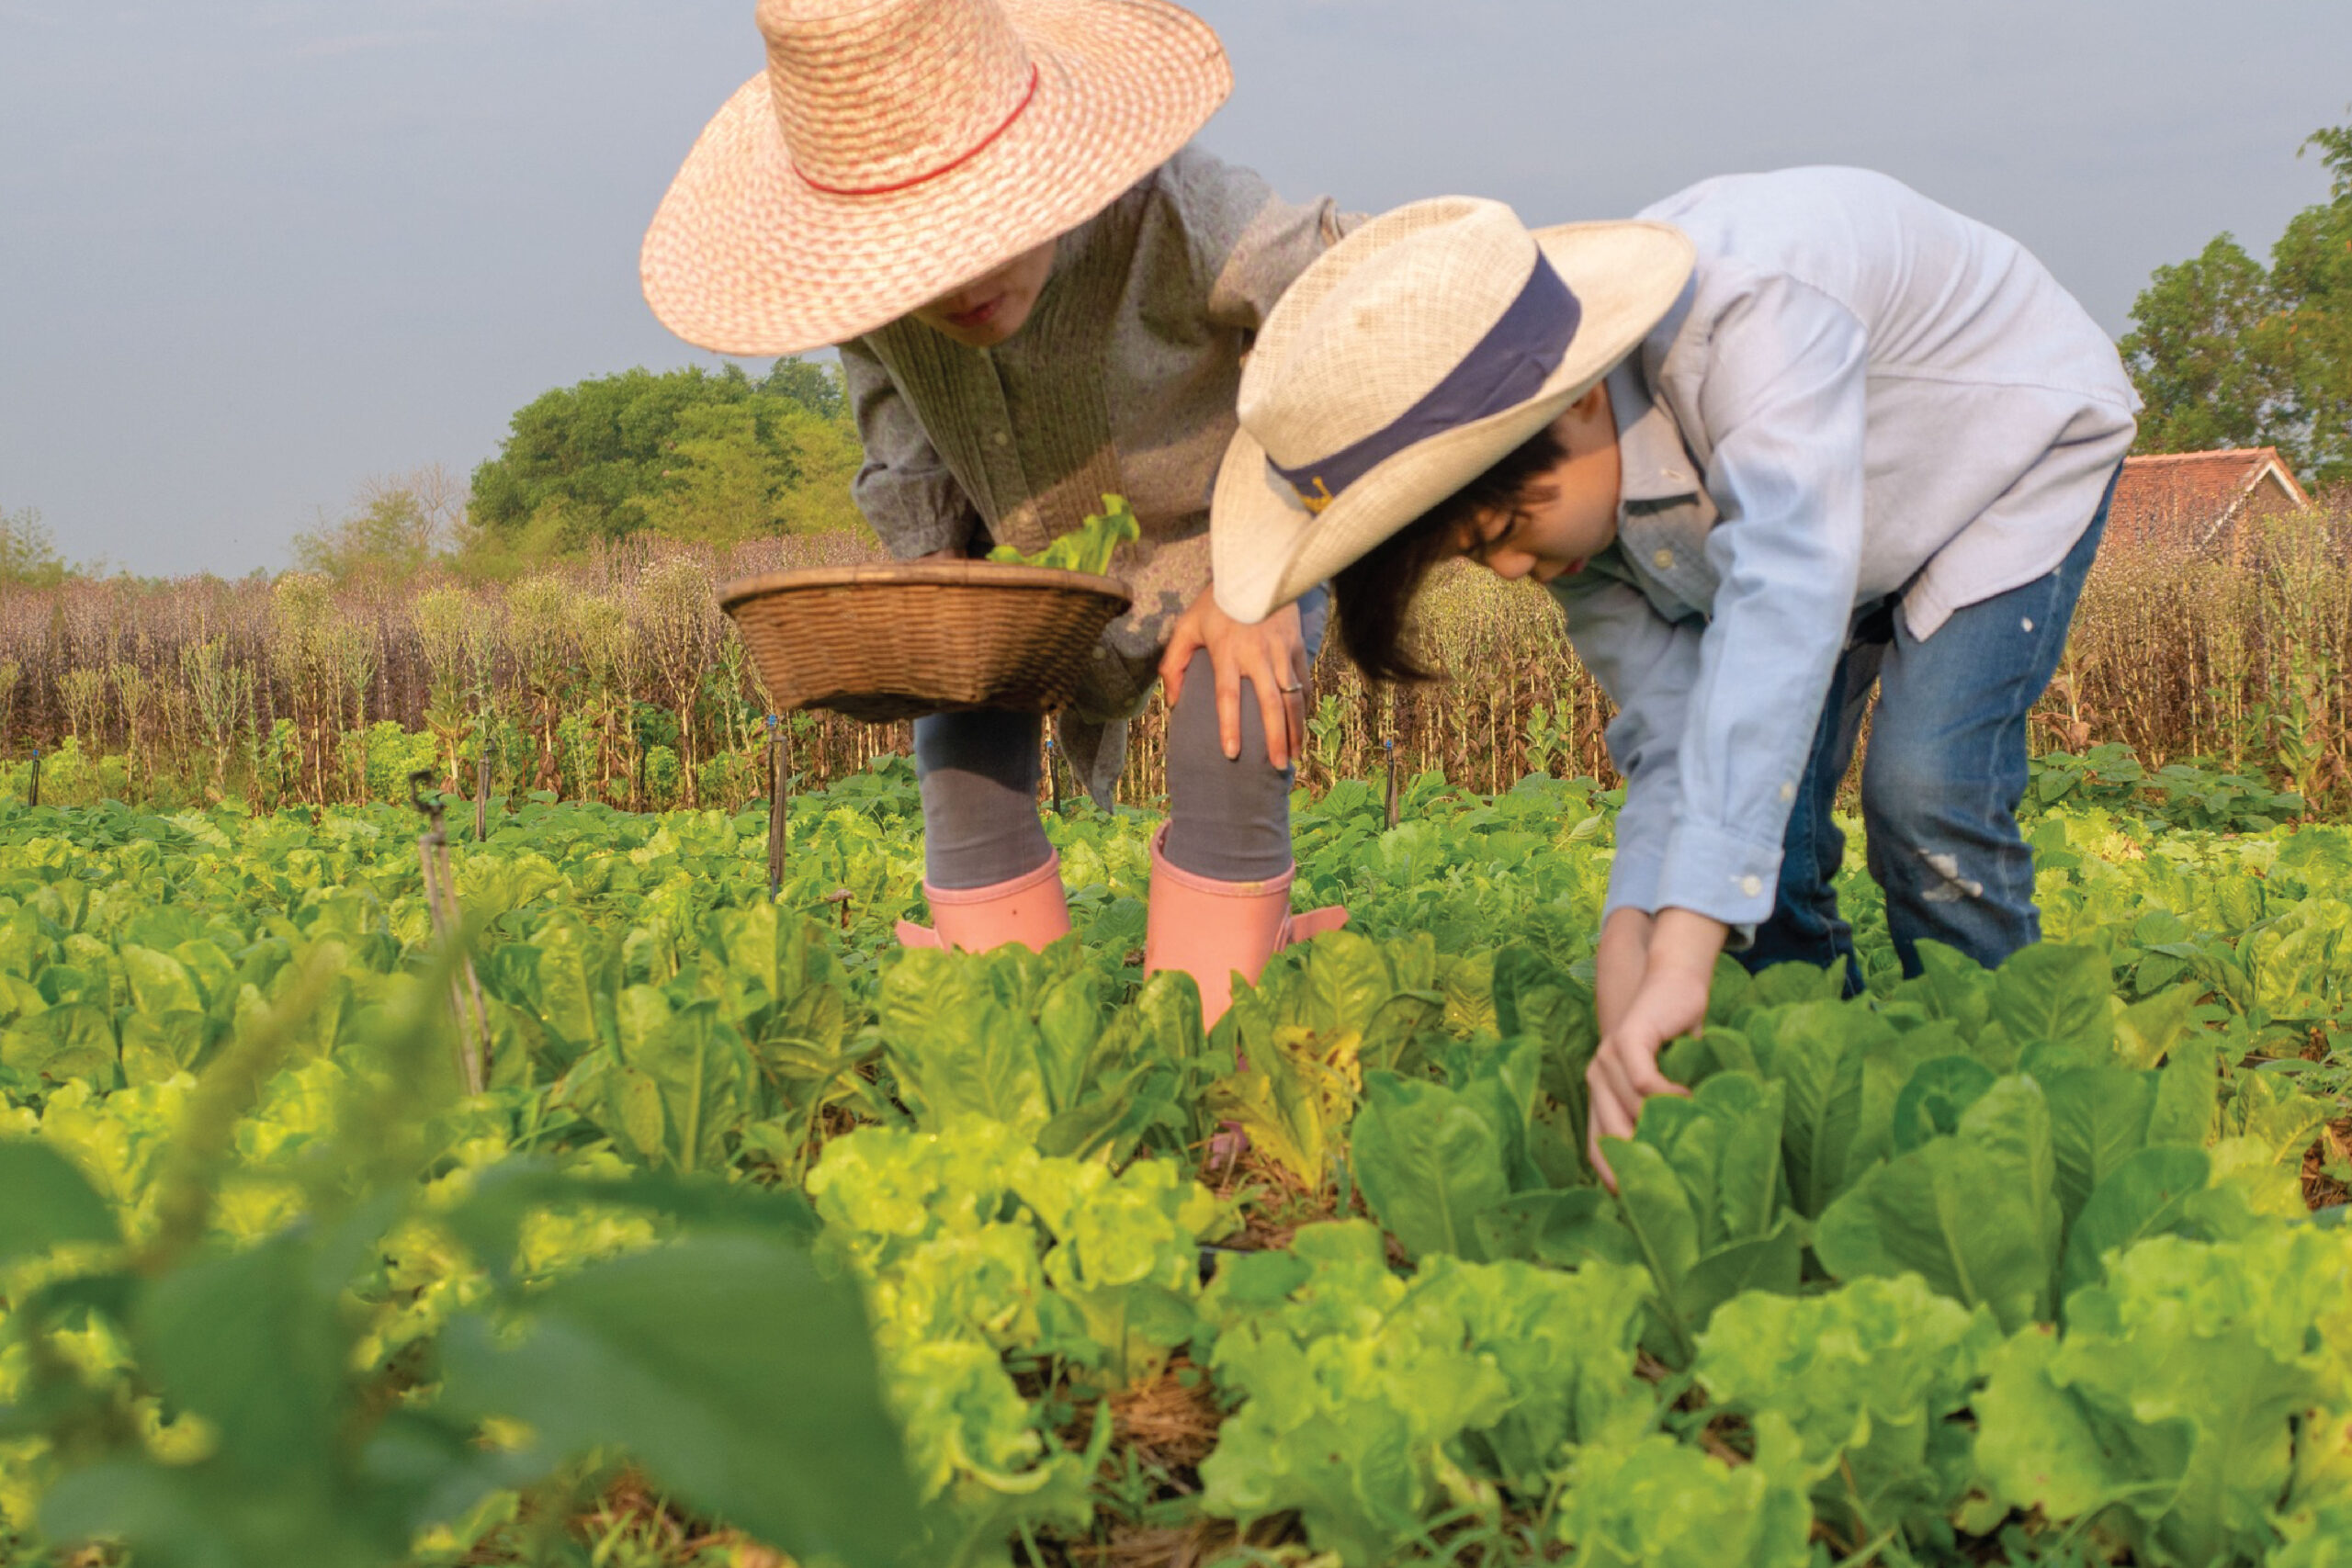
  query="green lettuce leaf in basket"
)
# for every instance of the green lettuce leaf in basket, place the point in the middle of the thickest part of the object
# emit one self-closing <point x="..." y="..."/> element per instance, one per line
<point x="1086" y="547"/>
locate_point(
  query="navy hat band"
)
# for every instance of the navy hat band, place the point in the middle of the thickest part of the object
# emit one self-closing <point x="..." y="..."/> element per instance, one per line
<point x="1506" y="368"/>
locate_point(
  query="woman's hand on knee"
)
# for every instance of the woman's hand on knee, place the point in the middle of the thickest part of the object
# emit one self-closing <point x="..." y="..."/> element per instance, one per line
<point x="1269" y="655"/>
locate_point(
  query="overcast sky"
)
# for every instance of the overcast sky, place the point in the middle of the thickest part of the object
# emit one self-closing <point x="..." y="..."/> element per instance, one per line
<point x="252" y="252"/>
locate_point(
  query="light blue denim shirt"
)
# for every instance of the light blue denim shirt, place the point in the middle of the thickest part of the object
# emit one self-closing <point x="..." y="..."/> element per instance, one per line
<point x="1860" y="394"/>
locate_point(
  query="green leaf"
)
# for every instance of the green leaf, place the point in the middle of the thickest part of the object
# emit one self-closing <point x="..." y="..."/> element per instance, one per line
<point x="2188" y="1092"/>
<point x="1536" y="999"/>
<point x="45" y="1203"/>
<point x="2169" y="1409"/>
<point x="1563" y="1228"/>
<point x="1723" y="1144"/>
<point x="2153" y="1192"/>
<point x="1086" y="547"/>
<point x="1868" y="1376"/>
<point x="197" y="1517"/>
<point x="1808" y="1051"/>
<point x="2039" y="1448"/>
<point x="2098" y="1118"/>
<point x="1698" y="1189"/>
<point x="962" y="1039"/>
<point x="2053" y="994"/>
<point x="255" y="1343"/>
<point x="1974" y="1213"/>
<point x="2148" y="1031"/>
<point x="507" y="1196"/>
<point x="1430" y="1165"/>
<point x="1773" y="1262"/>
<point x="73" y="1040"/>
<point x="1955" y="987"/>
<point x="1660" y="1214"/>
<point x="159" y="983"/>
<point x="1656" y="1503"/>
<point x="158" y="1045"/>
<point x="742" y="1380"/>
<point x="1939" y="1093"/>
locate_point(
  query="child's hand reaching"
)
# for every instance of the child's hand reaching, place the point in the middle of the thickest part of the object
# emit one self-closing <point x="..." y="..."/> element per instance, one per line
<point x="1651" y="980"/>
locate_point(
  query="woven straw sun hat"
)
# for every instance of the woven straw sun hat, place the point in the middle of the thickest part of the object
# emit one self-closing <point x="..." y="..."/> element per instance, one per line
<point x="1408" y="359"/>
<point x="894" y="150"/>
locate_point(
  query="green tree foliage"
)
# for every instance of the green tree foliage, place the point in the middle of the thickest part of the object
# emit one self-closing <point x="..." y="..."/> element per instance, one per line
<point x="28" y="551"/>
<point x="395" y="527"/>
<point x="2227" y="353"/>
<point x="689" y="454"/>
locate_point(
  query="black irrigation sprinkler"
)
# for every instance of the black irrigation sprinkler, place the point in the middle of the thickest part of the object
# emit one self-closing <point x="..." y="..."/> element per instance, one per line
<point x="466" y="1002"/>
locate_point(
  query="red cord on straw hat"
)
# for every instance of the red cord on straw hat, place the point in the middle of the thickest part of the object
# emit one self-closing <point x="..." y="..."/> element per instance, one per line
<point x="953" y="164"/>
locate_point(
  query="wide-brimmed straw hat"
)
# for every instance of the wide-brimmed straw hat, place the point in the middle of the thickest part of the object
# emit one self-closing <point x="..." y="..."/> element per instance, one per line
<point x="1408" y="359"/>
<point x="894" y="150"/>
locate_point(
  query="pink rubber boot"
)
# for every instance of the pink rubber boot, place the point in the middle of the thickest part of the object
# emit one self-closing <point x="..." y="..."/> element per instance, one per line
<point x="1029" y="910"/>
<point x="1213" y="930"/>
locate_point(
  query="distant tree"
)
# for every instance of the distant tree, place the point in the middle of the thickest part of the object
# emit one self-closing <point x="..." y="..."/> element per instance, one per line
<point x="28" y="556"/>
<point x="692" y="454"/>
<point x="764" y="466"/>
<point x="397" y="523"/>
<point x="2227" y="353"/>
<point x="817" y="388"/>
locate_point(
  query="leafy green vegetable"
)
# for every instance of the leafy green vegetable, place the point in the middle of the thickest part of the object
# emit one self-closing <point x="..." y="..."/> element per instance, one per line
<point x="48" y="1202"/>
<point x="2167" y="1411"/>
<point x="680" y="1357"/>
<point x="1869" y="1376"/>
<point x="1030" y="1280"/>
<point x="1437" y="1162"/>
<point x="1362" y="1391"/>
<point x="1699" y="1185"/>
<point x="1975" y="1213"/>
<point x="1086" y="547"/>
<point x="1655" y="1503"/>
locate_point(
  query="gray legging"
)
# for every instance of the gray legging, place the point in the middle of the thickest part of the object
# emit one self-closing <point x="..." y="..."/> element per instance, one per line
<point x="1226" y="819"/>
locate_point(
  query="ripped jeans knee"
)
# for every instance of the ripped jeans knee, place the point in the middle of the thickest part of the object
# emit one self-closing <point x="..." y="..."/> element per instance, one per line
<point x="1956" y="871"/>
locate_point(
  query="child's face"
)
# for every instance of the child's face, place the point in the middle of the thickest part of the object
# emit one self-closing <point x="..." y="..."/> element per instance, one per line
<point x="1568" y="516"/>
<point x="993" y="306"/>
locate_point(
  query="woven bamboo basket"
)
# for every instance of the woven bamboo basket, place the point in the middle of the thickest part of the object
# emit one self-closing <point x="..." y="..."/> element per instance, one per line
<point x="904" y="639"/>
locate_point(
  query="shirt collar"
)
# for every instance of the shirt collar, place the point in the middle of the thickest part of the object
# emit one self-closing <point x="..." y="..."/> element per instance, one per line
<point x="1652" y="465"/>
<point x="1664" y="513"/>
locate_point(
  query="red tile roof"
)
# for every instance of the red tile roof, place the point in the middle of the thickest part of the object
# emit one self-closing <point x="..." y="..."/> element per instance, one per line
<point x="2182" y="500"/>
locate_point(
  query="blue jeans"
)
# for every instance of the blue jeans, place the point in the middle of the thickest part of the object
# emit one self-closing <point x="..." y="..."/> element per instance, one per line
<point x="1941" y="780"/>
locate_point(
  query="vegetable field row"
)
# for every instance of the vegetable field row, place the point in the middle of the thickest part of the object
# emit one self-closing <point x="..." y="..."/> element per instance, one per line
<point x="908" y="1256"/>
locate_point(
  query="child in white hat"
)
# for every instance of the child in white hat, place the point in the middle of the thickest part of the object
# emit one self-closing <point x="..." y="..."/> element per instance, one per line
<point x="1784" y="438"/>
<point x="1041" y="296"/>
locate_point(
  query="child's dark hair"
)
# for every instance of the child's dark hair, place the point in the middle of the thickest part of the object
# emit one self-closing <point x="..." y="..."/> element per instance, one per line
<point x="1375" y="594"/>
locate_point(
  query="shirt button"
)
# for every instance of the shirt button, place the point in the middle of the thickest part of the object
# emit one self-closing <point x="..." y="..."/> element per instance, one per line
<point x="1751" y="884"/>
<point x="1788" y="792"/>
<point x="1000" y="438"/>
<point x="1662" y="560"/>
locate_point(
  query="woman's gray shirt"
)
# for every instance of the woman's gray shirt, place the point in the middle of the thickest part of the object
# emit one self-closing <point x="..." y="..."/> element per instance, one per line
<point x="1123" y="382"/>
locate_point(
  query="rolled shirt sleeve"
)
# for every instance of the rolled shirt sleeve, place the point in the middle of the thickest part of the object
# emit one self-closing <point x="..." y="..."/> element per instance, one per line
<point x="1783" y="402"/>
<point x="906" y="494"/>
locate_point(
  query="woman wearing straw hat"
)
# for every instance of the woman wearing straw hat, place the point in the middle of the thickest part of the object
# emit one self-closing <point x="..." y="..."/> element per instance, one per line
<point x="1041" y="296"/>
<point x="1785" y="437"/>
